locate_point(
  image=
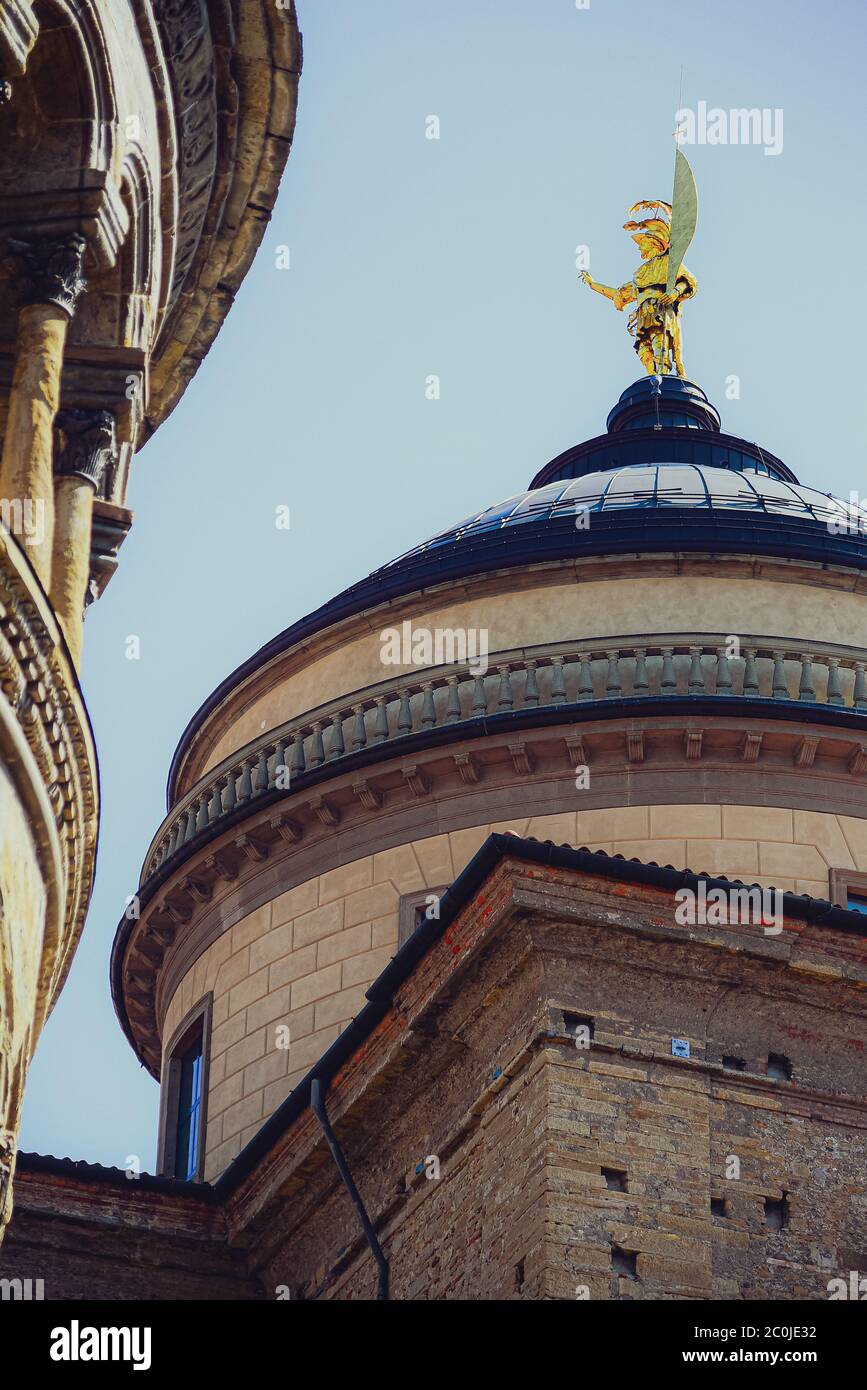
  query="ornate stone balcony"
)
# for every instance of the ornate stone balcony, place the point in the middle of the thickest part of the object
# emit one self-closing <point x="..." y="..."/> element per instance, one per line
<point x="48" y="819"/>
<point x="606" y="677"/>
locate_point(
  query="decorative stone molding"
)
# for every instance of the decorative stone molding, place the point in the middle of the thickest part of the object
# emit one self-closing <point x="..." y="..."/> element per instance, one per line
<point x="88" y="443"/>
<point x="751" y="747"/>
<point x="52" y="271"/>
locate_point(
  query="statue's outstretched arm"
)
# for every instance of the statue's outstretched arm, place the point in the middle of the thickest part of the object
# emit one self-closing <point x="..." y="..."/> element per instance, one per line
<point x="618" y="296"/>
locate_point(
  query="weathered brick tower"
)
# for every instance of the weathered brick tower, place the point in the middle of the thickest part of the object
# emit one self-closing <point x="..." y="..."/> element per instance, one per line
<point x="141" y="144"/>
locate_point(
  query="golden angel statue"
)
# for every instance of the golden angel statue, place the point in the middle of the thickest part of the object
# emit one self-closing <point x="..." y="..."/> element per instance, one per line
<point x="662" y="282"/>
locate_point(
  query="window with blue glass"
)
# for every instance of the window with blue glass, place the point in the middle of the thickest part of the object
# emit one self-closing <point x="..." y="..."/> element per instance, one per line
<point x="184" y="1109"/>
<point x="856" y="904"/>
<point x="189" y="1121"/>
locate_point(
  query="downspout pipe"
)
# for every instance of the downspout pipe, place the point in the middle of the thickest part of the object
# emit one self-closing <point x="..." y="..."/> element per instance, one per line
<point x="317" y="1105"/>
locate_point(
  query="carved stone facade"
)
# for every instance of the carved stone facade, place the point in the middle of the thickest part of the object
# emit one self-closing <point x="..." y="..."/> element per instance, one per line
<point x="141" y="146"/>
<point x="48" y="788"/>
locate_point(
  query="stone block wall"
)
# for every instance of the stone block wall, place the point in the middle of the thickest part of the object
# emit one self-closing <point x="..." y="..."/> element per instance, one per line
<point x="304" y="959"/>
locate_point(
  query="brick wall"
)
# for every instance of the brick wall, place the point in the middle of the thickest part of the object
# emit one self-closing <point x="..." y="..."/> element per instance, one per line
<point x="525" y="1123"/>
<point x="614" y="1171"/>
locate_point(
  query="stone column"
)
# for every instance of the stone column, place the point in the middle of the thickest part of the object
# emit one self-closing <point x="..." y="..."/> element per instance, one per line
<point x="53" y="273"/>
<point x="87" y="443"/>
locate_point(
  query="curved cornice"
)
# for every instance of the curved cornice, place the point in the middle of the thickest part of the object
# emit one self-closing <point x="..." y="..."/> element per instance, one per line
<point x="641" y="751"/>
<point x="233" y="69"/>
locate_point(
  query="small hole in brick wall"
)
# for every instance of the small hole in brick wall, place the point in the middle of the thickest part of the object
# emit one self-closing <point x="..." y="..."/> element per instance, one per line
<point x="776" y="1212"/>
<point x="519" y="1275"/>
<point x="734" y="1063"/>
<point x="719" y="1208"/>
<point x="624" y="1262"/>
<point x="615" y="1179"/>
<point x="779" y="1067"/>
<point x="573" y="1022"/>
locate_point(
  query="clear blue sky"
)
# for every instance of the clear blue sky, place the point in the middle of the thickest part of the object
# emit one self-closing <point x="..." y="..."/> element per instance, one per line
<point x="457" y="257"/>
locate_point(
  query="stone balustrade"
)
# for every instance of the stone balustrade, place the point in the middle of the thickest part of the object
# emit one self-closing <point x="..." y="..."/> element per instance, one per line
<point x="593" y="673"/>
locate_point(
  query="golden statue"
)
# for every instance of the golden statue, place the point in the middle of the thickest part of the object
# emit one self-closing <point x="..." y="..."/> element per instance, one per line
<point x="662" y="282"/>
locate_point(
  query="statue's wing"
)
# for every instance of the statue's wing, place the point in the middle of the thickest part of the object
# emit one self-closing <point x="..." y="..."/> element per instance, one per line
<point x="684" y="216"/>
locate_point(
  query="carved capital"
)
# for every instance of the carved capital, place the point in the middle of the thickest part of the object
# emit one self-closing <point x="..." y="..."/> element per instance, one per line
<point x="52" y="269"/>
<point x="87" y="444"/>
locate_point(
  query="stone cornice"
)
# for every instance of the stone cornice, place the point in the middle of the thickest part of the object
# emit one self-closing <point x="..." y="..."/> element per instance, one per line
<point x="691" y="752"/>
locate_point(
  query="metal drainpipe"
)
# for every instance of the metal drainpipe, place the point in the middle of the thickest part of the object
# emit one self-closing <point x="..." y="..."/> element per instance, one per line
<point x="317" y="1105"/>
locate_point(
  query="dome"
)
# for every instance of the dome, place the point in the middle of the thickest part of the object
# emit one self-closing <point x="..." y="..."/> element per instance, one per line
<point x="651" y="488"/>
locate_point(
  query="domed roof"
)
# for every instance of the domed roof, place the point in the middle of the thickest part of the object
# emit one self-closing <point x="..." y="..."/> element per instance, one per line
<point x="649" y="487"/>
<point x="663" y="479"/>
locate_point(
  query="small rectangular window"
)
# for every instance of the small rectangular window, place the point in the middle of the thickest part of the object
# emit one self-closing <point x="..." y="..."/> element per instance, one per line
<point x="624" y="1262"/>
<point x="856" y="904"/>
<point x="734" y="1063"/>
<point x="718" y="1208"/>
<point x="415" y="908"/>
<point x="779" y="1068"/>
<point x="615" y="1179"/>
<point x="776" y="1212"/>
